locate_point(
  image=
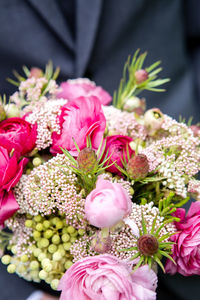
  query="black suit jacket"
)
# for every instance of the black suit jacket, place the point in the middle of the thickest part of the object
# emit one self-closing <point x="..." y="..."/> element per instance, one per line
<point x="106" y="32"/>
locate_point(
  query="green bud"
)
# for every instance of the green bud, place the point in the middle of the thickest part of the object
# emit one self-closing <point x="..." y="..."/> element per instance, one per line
<point x="44" y="243"/>
<point x="81" y="231"/>
<point x="65" y="237"/>
<point x="39" y="227"/>
<point x="29" y="223"/>
<point x="34" y="265"/>
<point x="46" y="224"/>
<point x="68" y="264"/>
<point x="11" y="268"/>
<point x="55" y="220"/>
<point x="64" y="230"/>
<point x="43" y="275"/>
<point x="38" y="218"/>
<point x="41" y="256"/>
<point x="36" y="252"/>
<point x="87" y="160"/>
<point x="37" y="161"/>
<point x="52" y="248"/>
<point x="36" y="235"/>
<point x="59" y="225"/>
<point x="21" y="269"/>
<point x="73" y="239"/>
<point x="54" y="284"/>
<point x="67" y="246"/>
<point x="70" y="229"/>
<point x="2" y="113"/>
<point x="24" y="258"/>
<point x="56" y="239"/>
<point x="57" y="256"/>
<point x="12" y="110"/>
<point x="48" y="234"/>
<point x="48" y="267"/>
<point x="6" y="259"/>
<point x="14" y="249"/>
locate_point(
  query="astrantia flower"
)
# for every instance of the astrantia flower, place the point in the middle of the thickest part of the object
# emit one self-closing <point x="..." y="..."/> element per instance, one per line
<point x="105" y="277"/>
<point x="79" y="119"/>
<point x="187" y="242"/>
<point x="83" y="87"/>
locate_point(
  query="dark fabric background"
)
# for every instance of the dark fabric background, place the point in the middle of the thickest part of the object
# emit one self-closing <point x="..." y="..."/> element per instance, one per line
<point x="93" y="38"/>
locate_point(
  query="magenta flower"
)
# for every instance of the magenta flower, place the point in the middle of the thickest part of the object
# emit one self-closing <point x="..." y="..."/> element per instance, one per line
<point x="105" y="277"/>
<point x="18" y="134"/>
<point x="11" y="170"/>
<point x="107" y="204"/>
<point x="116" y="147"/>
<point x="83" y="87"/>
<point x="186" y="251"/>
<point x="79" y="118"/>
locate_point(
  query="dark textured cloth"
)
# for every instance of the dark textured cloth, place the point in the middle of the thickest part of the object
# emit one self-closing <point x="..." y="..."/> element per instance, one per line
<point x="93" y="38"/>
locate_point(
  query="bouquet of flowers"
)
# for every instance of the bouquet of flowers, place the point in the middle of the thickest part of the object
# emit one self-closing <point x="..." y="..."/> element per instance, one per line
<point x="91" y="194"/>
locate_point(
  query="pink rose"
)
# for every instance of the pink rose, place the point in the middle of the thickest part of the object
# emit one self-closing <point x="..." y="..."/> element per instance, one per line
<point x="105" y="277"/>
<point x="10" y="172"/>
<point x="79" y="118"/>
<point x="107" y="204"/>
<point x="116" y="146"/>
<point x="186" y="251"/>
<point x="18" y="134"/>
<point x="73" y="89"/>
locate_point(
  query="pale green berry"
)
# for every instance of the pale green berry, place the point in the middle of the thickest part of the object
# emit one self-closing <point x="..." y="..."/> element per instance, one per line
<point x="24" y="258"/>
<point x="74" y="234"/>
<point x="34" y="274"/>
<point x="36" y="252"/>
<point x="45" y="261"/>
<point x="59" y="225"/>
<point x="41" y="256"/>
<point x="37" y="161"/>
<point x="68" y="264"/>
<point x="48" y="268"/>
<point x="28" y="171"/>
<point x="55" y="220"/>
<point x="65" y="237"/>
<point x="6" y="259"/>
<point x="54" y="284"/>
<point x="39" y="227"/>
<point x="81" y="231"/>
<point x="56" y="239"/>
<point x="44" y="243"/>
<point x="21" y="269"/>
<point x="57" y="256"/>
<point x="36" y="235"/>
<point x="73" y="239"/>
<point x="67" y="246"/>
<point x="14" y="249"/>
<point x="34" y="265"/>
<point x="38" y="218"/>
<point x="70" y="229"/>
<point x="46" y="224"/>
<point x="52" y="248"/>
<point x="64" y="230"/>
<point x="29" y="223"/>
<point x="62" y="252"/>
<point x="48" y="234"/>
<point x="11" y="268"/>
<point x="43" y="274"/>
<point x="49" y="279"/>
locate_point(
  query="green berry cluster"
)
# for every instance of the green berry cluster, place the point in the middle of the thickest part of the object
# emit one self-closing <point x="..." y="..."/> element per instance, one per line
<point x="50" y="255"/>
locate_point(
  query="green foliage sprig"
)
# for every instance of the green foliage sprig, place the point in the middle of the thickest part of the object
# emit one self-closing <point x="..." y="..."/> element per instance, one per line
<point x="128" y="85"/>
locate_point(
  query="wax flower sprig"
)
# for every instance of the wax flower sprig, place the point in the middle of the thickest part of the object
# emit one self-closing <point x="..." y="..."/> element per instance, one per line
<point x="136" y="79"/>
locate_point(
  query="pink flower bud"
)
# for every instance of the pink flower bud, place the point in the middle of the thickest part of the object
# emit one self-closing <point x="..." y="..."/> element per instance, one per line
<point x="87" y="160"/>
<point x="107" y="204"/>
<point x="36" y="72"/>
<point x="153" y="120"/>
<point x="135" y="104"/>
<point x="196" y="130"/>
<point x="141" y="76"/>
<point x="138" y="166"/>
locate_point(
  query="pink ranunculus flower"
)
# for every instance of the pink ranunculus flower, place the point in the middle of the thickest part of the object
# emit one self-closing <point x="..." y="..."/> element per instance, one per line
<point x="11" y="170"/>
<point x="116" y="147"/>
<point x="105" y="277"/>
<point x="18" y="134"/>
<point x="79" y="118"/>
<point x="107" y="204"/>
<point x="72" y="89"/>
<point x="186" y="251"/>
